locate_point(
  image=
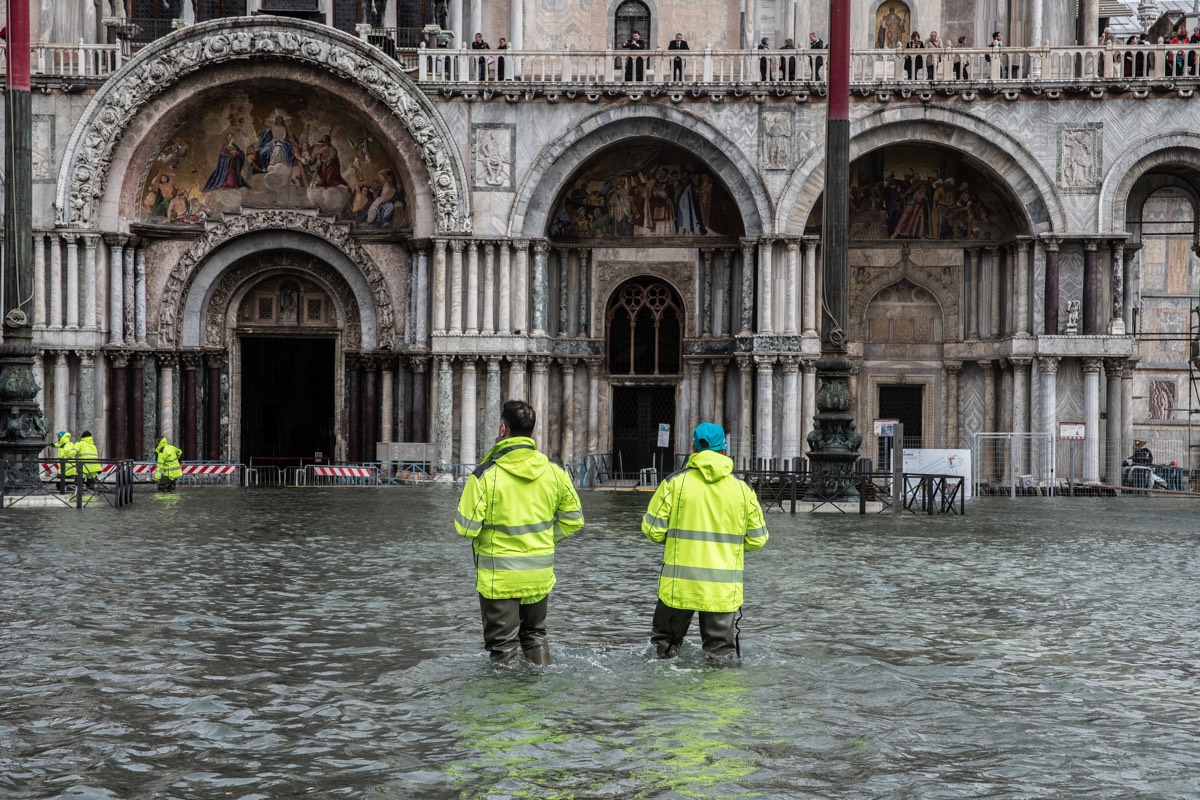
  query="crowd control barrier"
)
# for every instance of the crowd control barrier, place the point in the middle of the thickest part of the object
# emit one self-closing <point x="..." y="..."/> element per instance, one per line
<point x="329" y="475"/>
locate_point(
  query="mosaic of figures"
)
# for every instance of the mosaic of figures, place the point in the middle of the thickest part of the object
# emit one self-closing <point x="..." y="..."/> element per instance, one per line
<point x="645" y="190"/>
<point x="273" y="150"/>
<point x="911" y="193"/>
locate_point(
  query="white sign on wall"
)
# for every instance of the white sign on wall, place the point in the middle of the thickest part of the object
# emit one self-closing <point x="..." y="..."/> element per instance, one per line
<point x="1071" y="430"/>
<point x="940" y="462"/>
<point x="664" y="434"/>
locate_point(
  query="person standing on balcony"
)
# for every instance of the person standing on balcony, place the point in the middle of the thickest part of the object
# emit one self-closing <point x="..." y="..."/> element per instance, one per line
<point x="480" y="44"/>
<point x="997" y="43"/>
<point x="503" y="45"/>
<point x="634" y="68"/>
<point x="787" y="64"/>
<point x="913" y="66"/>
<point x="678" y="43"/>
<point x="815" y="43"/>
<point x="962" y="63"/>
<point x="933" y="61"/>
<point x="762" y="62"/>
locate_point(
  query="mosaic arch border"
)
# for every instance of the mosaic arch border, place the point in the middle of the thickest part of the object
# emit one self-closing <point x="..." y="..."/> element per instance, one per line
<point x="198" y="272"/>
<point x="1016" y="166"/>
<point x="559" y="160"/>
<point x="1174" y="149"/>
<point x="83" y="174"/>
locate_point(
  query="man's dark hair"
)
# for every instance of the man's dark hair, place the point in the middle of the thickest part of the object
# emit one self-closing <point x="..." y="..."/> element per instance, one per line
<point x="519" y="417"/>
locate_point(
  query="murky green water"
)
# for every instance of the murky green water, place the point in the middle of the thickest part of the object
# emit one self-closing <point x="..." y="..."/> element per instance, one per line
<point x="326" y="643"/>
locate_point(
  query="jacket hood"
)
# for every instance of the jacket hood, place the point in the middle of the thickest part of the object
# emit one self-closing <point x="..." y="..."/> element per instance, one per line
<point x="711" y="465"/>
<point x="519" y="457"/>
<point x="161" y="443"/>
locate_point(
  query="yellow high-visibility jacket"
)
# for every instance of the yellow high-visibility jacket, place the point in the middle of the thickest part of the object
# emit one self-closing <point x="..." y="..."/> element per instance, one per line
<point x="708" y="520"/>
<point x="64" y="448"/>
<point x="515" y="507"/>
<point x="85" y="450"/>
<point x="168" y="460"/>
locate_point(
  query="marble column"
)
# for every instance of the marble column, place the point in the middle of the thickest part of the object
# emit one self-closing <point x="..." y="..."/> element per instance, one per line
<point x="370" y="406"/>
<point x="808" y="399"/>
<point x="489" y="288"/>
<point x="387" y="400"/>
<point x="492" y="402"/>
<point x="1048" y="369"/>
<point x="439" y="286"/>
<point x="540" y="290"/>
<point x="766" y="285"/>
<point x="516" y="28"/>
<point x="419" y="414"/>
<point x="166" y="395"/>
<point x="974" y="273"/>
<point x="139" y="293"/>
<point x="1020" y="407"/>
<point x="1116" y="323"/>
<point x="583" y="309"/>
<point x="212" y="411"/>
<point x="567" y="447"/>
<point x="541" y="395"/>
<point x="422" y="298"/>
<point x="791" y="403"/>
<point x="791" y="288"/>
<point x="719" y="368"/>
<point x="1130" y="285"/>
<point x="504" y="312"/>
<point x="129" y="278"/>
<point x="472" y="301"/>
<point x="747" y="317"/>
<point x="706" y="292"/>
<point x="764" y="406"/>
<point x="564" y="292"/>
<point x="745" y="410"/>
<point x="56" y="281"/>
<point x="445" y="412"/>
<point x="810" y="321"/>
<point x="85" y="410"/>
<point x="991" y="464"/>
<point x="137" y="407"/>
<point x="468" y="410"/>
<point x="1091" y="419"/>
<point x="729" y="311"/>
<point x="40" y="290"/>
<point x="693" y="417"/>
<point x="1113" y="425"/>
<point x="593" y="429"/>
<point x="1024" y="261"/>
<point x="353" y="407"/>
<point x="1091" y="290"/>
<point x="191" y="362"/>
<point x="456" y="285"/>
<point x="994" y="289"/>
<point x="118" y="387"/>
<point x="116" y="288"/>
<point x="1051" y="300"/>
<point x="518" y="379"/>
<point x="62" y="392"/>
<point x="520" y="295"/>
<point x="1127" y="369"/>
<point x="90" y="290"/>
<point x="953" y="369"/>
<point x="72" y="279"/>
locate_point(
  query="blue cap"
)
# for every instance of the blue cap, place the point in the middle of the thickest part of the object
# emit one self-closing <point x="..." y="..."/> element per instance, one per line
<point x="709" y="436"/>
<point x="61" y="434"/>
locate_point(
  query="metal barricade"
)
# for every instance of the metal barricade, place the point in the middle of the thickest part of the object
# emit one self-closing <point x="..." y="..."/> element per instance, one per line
<point x="338" y="475"/>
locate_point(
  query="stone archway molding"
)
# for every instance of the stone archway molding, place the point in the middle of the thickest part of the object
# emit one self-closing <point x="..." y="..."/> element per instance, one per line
<point x="195" y="276"/>
<point x="164" y="62"/>
<point x="940" y="283"/>
<point x="1157" y="153"/>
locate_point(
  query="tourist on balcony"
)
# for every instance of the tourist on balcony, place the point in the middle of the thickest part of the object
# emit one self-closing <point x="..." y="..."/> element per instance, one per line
<point x="762" y="62"/>
<point x="1175" y="58"/>
<point x="1135" y="62"/>
<point x="678" y="43"/>
<point x="787" y="64"/>
<point x="962" y="64"/>
<point x="932" y="61"/>
<point x="914" y="43"/>
<point x="815" y="43"/>
<point x="635" y="68"/>
<point x="480" y="44"/>
<point x="1195" y="40"/>
<point x="998" y="43"/>
<point x="1106" y="40"/>
<point x="503" y="45"/>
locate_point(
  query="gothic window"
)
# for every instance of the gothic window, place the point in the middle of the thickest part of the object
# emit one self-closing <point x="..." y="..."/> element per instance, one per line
<point x="631" y="16"/>
<point x="644" y="324"/>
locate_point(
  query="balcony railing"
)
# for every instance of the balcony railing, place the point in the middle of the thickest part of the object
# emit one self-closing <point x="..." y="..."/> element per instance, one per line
<point x="1136" y="67"/>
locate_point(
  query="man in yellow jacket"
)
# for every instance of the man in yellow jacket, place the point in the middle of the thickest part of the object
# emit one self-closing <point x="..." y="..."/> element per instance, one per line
<point x="64" y="452"/>
<point x="89" y="457"/>
<point x="708" y="519"/>
<point x="515" y="508"/>
<point x="168" y="468"/>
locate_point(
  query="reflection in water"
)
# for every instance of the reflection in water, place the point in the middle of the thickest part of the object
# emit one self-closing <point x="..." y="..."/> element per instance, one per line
<point x="325" y="643"/>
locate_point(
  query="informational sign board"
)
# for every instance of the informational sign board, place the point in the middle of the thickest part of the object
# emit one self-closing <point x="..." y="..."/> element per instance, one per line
<point x="1071" y="430"/>
<point x="940" y="462"/>
<point x="883" y="427"/>
<point x="664" y="434"/>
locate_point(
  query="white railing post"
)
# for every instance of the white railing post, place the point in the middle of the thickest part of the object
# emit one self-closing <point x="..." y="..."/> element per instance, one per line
<point x="422" y="64"/>
<point x="708" y="64"/>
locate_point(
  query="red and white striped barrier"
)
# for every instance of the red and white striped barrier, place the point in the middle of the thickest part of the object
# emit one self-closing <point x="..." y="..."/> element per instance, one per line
<point x="328" y="475"/>
<point x="343" y="472"/>
<point x="210" y="469"/>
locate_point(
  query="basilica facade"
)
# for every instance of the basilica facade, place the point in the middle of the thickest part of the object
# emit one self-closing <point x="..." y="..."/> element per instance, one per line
<point x="290" y="231"/>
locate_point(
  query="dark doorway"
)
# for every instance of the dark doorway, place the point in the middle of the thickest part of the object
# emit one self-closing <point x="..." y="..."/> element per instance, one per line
<point x="903" y="403"/>
<point x="637" y="413"/>
<point x="287" y="399"/>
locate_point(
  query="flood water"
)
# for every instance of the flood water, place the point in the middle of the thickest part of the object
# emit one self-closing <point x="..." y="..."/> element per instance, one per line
<point x="274" y="643"/>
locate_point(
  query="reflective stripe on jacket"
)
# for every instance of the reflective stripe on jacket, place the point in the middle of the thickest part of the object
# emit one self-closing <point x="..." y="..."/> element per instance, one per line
<point x="514" y="508"/>
<point x="85" y="451"/>
<point x="707" y="519"/>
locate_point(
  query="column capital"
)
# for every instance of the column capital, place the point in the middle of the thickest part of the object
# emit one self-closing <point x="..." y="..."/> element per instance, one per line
<point x="418" y="364"/>
<point x="748" y="246"/>
<point x="1115" y="366"/>
<point x="1092" y="364"/>
<point x="565" y="362"/>
<point x="493" y="363"/>
<point x="445" y="363"/>
<point x="467" y="359"/>
<point x="1020" y="361"/>
<point x="1090" y="245"/>
<point x="809" y="365"/>
<point x="720" y="365"/>
<point x="115" y="239"/>
<point x="744" y="362"/>
<point x="1048" y="365"/>
<point x="519" y="360"/>
<point x="594" y="366"/>
<point x="952" y="367"/>
<point x="215" y="359"/>
<point x="191" y="359"/>
<point x="986" y="364"/>
<point x="791" y="364"/>
<point x="541" y="364"/>
<point x="86" y="357"/>
<point x="540" y="245"/>
<point x="138" y="357"/>
<point x="60" y="357"/>
<point x="694" y="365"/>
<point x="793" y="245"/>
<point x="70" y="237"/>
<point x="765" y="363"/>
<point x="1051" y="242"/>
<point x="120" y="358"/>
<point x="456" y="245"/>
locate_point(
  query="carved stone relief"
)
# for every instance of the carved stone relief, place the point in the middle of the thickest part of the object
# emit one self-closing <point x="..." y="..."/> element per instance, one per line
<point x="1079" y="156"/>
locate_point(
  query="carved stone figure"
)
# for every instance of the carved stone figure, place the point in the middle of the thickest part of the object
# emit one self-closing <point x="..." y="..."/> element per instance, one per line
<point x="1072" y="317"/>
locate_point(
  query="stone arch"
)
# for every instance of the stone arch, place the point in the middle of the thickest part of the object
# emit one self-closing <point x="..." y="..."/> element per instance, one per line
<point x="196" y="276"/>
<point x="985" y="145"/>
<point x="609" y="277"/>
<point x="559" y="160"/>
<point x="163" y="63"/>
<point x="1180" y="152"/>
<point x="940" y="283"/>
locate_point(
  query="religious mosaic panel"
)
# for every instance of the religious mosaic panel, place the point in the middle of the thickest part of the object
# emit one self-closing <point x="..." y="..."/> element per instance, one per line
<point x="273" y="150"/>
<point x="645" y="191"/>
<point x="926" y="193"/>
